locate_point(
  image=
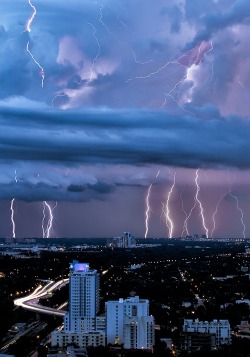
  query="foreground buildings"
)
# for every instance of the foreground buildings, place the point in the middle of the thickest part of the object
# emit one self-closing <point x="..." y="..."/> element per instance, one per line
<point x="126" y="322"/>
<point x="205" y="335"/>
<point x="129" y="323"/>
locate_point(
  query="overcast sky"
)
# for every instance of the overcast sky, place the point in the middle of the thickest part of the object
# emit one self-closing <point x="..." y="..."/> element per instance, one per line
<point x="124" y="115"/>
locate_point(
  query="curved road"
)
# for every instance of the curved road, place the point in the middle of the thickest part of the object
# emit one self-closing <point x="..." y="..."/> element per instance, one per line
<point x="31" y="301"/>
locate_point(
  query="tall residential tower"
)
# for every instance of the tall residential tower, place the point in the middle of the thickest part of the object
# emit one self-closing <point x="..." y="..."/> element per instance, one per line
<point x="82" y="326"/>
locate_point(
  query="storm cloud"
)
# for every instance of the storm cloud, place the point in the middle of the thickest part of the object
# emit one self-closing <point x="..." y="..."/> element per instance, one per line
<point x="126" y="137"/>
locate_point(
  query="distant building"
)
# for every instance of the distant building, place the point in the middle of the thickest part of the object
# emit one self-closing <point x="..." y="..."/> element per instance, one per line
<point x="129" y="323"/>
<point x="205" y="335"/>
<point x="124" y="241"/>
<point x="82" y="326"/>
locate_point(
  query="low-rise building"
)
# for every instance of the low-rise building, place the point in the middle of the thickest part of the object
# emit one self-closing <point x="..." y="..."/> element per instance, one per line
<point x="214" y="333"/>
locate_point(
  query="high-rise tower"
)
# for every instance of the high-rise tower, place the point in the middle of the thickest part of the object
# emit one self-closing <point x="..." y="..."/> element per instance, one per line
<point x="82" y="326"/>
<point x="83" y="298"/>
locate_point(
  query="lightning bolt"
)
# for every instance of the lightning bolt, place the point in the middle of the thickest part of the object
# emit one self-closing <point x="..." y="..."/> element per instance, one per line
<point x="28" y="29"/>
<point x="91" y="71"/>
<point x="169" y="221"/>
<point x="147" y="213"/>
<point x="42" y="74"/>
<point x="12" y="209"/>
<point x="12" y="218"/>
<point x="188" y="60"/>
<point x="238" y="208"/>
<point x="199" y="202"/>
<point x="140" y="62"/>
<point x="30" y="20"/>
<point x="47" y="230"/>
<point x="214" y="214"/>
<point x="148" y="209"/>
<point x="185" y="227"/>
<point x="196" y="62"/>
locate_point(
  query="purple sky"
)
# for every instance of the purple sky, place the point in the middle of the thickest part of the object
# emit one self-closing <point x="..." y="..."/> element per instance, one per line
<point x="109" y="107"/>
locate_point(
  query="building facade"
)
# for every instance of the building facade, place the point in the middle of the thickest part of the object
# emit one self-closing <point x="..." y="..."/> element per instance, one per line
<point x="219" y="330"/>
<point x="82" y="326"/>
<point x="129" y="323"/>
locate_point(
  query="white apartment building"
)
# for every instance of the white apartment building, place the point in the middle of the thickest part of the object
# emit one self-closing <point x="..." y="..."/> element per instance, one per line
<point x="129" y="323"/>
<point x="81" y="324"/>
<point x="83" y="298"/>
<point x="219" y="328"/>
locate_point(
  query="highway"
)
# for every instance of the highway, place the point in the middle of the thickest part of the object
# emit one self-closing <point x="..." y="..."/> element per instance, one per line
<point x="31" y="301"/>
<point x="32" y="326"/>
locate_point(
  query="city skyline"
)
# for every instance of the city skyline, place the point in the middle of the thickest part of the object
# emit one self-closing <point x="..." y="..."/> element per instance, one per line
<point x="124" y="116"/>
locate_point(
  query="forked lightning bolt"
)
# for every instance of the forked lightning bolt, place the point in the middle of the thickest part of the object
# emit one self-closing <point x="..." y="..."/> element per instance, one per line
<point x="46" y="230"/>
<point x="199" y="202"/>
<point x="28" y="29"/>
<point x="169" y="221"/>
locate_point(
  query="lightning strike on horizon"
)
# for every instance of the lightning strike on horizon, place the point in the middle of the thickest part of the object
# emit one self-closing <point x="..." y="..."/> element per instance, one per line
<point x="148" y="209"/>
<point x="214" y="214"/>
<point x="147" y="213"/>
<point x="238" y="208"/>
<point x="12" y="209"/>
<point x="169" y="221"/>
<point x="47" y="230"/>
<point x="12" y="218"/>
<point x="185" y="227"/>
<point x="199" y="202"/>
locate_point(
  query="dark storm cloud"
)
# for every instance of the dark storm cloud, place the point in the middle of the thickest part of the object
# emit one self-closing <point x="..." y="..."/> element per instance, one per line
<point x="125" y="136"/>
<point x="214" y="21"/>
<point x="26" y="190"/>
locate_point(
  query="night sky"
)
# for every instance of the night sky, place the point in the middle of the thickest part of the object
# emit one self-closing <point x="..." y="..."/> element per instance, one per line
<point x="124" y="115"/>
